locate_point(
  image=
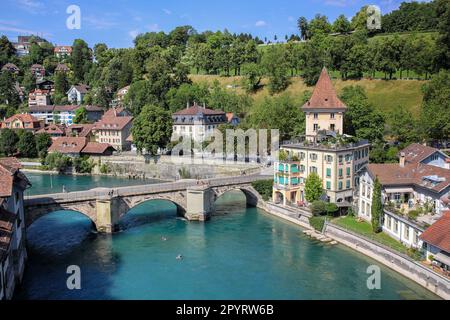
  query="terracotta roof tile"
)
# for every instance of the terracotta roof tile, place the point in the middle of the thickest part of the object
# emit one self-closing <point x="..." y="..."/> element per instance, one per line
<point x="393" y="174"/>
<point x="113" y="123"/>
<point x="324" y="95"/>
<point x="194" y="110"/>
<point x="52" y="129"/>
<point x="438" y="234"/>
<point x="416" y="152"/>
<point x="96" y="148"/>
<point x="68" y="145"/>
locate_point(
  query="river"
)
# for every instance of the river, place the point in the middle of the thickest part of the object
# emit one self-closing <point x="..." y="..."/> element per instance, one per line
<point x="242" y="253"/>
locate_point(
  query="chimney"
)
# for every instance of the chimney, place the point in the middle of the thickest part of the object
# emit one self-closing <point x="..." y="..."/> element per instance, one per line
<point x="402" y="159"/>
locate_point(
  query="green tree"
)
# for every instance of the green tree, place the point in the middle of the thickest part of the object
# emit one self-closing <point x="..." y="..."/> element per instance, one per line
<point x="319" y="24"/>
<point x="341" y="25"/>
<point x="8" y="93"/>
<point x="7" y="51"/>
<point x="435" y="113"/>
<point x="403" y="126"/>
<point x="276" y="68"/>
<point x="377" y="207"/>
<point x="27" y="145"/>
<point x="152" y="129"/>
<point x="61" y="87"/>
<point x="313" y="188"/>
<point x="43" y="142"/>
<point x="81" y="60"/>
<point x="253" y="77"/>
<point x="57" y="161"/>
<point x="303" y="27"/>
<point x="8" y="142"/>
<point x="81" y="116"/>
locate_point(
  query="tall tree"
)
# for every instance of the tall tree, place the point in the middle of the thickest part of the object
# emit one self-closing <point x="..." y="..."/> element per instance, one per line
<point x="341" y="24"/>
<point x="8" y="142"/>
<point x="81" y="60"/>
<point x="8" y="93"/>
<point x="26" y="145"/>
<point x="152" y="129"/>
<point x="7" y="51"/>
<point x="313" y="188"/>
<point x="377" y="207"/>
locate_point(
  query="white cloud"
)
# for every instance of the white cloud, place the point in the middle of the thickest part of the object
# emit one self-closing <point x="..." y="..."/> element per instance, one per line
<point x="167" y="11"/>
<point x="260" y="23"/>
<point x="99" y="23"/>
<point x="154" y="27"/>
<point x="133" y="33"/>
<point x="32" y="6"/>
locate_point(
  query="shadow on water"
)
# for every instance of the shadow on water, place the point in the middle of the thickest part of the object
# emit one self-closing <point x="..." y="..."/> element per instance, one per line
<point x="149" y="212"/>
<point x="230" y="203"/>
<point x="57" y="241"/>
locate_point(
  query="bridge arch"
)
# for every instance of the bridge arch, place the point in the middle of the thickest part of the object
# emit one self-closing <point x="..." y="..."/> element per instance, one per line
<point x="32" y="214"/>
<point x="252" y="196"/>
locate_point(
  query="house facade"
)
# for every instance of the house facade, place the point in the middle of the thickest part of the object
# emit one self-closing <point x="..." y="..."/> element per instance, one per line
<point x="53" y="130"/>
<point x="76" y="93"/>
<point x="22" y="121"/>
<point x="114" y="130"/>
<point x="78" y="146"/>
<point x="38" y="97"/>
<point x="63" y="51"/>
<point x="38" y="71"/>
<point x="197" y="123"/>
<point x="333" y="158"/>
<point x="13" y="253"/>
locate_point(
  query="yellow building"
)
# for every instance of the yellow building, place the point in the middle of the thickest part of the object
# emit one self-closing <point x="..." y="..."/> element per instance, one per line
<point x="325" y="151"/>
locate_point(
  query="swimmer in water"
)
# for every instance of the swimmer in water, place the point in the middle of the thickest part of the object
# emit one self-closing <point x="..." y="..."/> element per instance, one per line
<point x="179" y="257"/>
<point x="163" y="239"/>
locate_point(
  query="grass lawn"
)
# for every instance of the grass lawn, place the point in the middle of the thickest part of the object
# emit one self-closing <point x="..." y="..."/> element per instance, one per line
<point x="365" y="229"/>
<point x="384" y="95"/>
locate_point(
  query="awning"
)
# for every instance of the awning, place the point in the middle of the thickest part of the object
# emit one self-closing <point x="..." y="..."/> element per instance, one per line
<point x="443" y="258"/>
<point x="399" y="190"/>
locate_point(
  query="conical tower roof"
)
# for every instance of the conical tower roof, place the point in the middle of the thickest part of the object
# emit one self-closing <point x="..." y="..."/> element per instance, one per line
<point x="324" y="95"/>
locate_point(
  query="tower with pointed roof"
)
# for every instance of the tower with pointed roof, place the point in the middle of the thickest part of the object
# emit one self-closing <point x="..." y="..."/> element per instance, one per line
<point x="324" y="111"/>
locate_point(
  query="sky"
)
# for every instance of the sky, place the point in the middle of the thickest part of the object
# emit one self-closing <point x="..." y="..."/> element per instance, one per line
<point x="117" y="22"/>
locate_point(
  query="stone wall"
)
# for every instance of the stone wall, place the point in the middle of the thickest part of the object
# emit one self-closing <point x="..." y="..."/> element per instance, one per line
<point x="163" y="167"/>
<point x="400" y="263"/>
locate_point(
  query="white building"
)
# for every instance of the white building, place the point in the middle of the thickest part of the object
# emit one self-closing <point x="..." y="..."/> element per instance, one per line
<point x="197" y="123"/>
<point x="64" y="114"/>
<point x="76" y="93"/>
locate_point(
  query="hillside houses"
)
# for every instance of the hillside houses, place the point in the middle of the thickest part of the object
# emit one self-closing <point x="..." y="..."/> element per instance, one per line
<point x="76" y="93"/>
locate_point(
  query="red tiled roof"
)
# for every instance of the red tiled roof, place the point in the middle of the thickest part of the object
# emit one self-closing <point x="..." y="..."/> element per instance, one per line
<point x="416" y="152"/>
<point x="83" y="129"/>
<point x="52" y="129"/>
<point x="393" y="174"/>
<point x="68" y="145"/>
<point x="8" y="168"/>
<point x="194" y="110"/>
<point x="97" y="148"/>
<point x="82" y="88"/>
<point x="116" y="112"/>
<point x="113" y="123"/>
<point x="24" y="117"/>
<point x="63" y="48"/>
<point x="324" y="95"/>
<point x="438" y="234"/>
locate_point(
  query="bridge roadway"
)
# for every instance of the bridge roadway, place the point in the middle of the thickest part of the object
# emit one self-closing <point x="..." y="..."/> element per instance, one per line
<point x="106" y="206"/>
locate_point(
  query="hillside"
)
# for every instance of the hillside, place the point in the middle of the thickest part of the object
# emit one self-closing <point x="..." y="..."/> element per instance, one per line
<point x="384" y="95"/>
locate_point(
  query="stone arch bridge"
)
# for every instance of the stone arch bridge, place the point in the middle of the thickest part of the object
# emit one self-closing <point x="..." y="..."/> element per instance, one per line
<point x="105" y="207"/>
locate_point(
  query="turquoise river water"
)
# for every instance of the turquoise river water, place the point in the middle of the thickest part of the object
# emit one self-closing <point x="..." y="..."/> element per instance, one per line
<point x="242" y="253"/>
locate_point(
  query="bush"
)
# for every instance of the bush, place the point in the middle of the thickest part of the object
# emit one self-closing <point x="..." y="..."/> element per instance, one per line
<point x="413" y="214"/>
<point x="184" y="173"/>
<point x="331" y="209"/>
<point x="264" y="188"/>
<point x="317" y="223"/>
<point x="105" y="169"/>
<point x="318" y="208"/>
<point x="83" y="165"/>
<point x="57" y="161"/>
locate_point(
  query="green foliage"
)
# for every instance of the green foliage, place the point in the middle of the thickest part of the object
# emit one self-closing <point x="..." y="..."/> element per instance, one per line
<point x="43" y="142"/>
<point x="152" y="129"/>
<point x="313" y="187"/>
<point x="413" y="214"/>
<point x="317" y="222"/>
<point x="276" y="68"/>
<point x="105" y="168"/>
<point x="81" y="116"/>
<point x="83" y="164"/>
<point x="8" y="94"/>
<point x="318" y="208"/>
<point x="8" y="142"/>
<point x="377" y="207"/>
<point x="57" y="161"/>
<point x="264" y="188"/>
<point x="27" y="145"/>
<point x="81" y="60"/>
